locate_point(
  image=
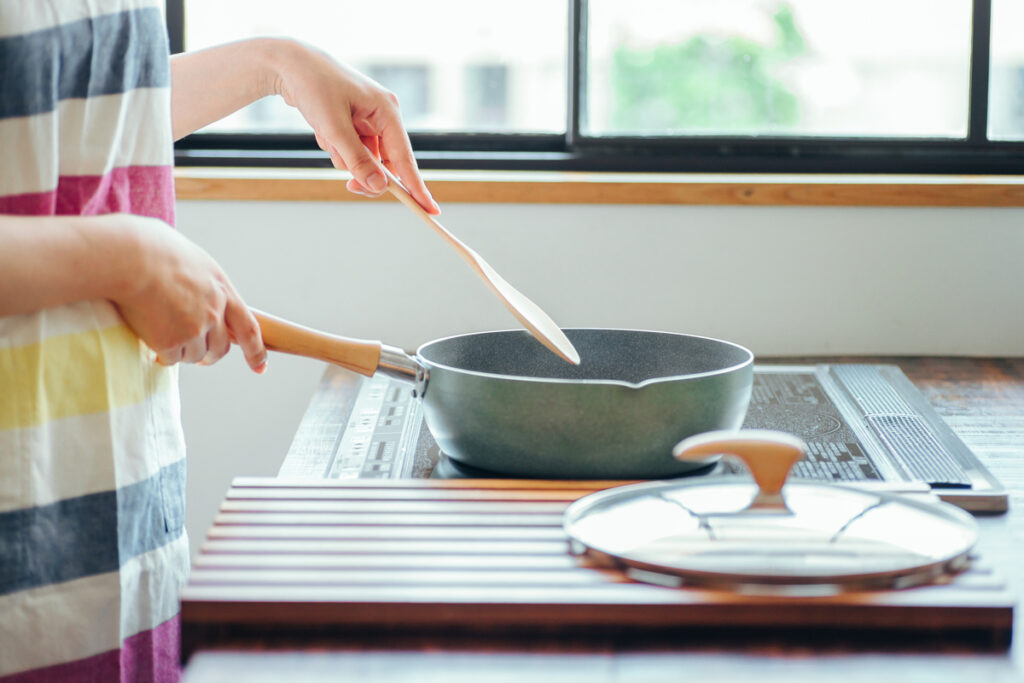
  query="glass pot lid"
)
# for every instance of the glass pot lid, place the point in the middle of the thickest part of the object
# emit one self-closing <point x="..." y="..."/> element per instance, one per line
<point x="730" y="531"/>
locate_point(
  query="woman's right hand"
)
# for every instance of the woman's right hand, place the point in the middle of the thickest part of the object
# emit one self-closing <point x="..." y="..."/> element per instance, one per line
<point x="179" y="301"/>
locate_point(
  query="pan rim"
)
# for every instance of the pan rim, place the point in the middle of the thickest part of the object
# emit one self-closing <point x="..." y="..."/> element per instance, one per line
<point x="748" y="361"/>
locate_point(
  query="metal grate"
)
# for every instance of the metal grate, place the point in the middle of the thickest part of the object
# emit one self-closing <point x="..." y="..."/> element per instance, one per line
<point x="910" y="440"/>
<point x="872" y="393"/>
<point x="904" y="433"/>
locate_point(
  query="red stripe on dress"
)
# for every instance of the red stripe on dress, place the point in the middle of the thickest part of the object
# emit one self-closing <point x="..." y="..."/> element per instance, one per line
<point x="148" y="657"/>
<point x="141" y="190"/>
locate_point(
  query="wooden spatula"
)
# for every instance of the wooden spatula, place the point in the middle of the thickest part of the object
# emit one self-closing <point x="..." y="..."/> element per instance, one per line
<point x="528" y="313"/>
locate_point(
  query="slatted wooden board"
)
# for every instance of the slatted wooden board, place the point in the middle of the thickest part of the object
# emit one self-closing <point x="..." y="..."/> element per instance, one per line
<point x="482" y="553"/>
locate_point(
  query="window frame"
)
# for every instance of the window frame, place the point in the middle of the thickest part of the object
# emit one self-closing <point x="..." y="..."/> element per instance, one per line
<point x="573" y="151"/>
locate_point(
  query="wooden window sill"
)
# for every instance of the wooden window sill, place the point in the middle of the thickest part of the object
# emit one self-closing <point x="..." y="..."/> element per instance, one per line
<point x="529" y="187"/>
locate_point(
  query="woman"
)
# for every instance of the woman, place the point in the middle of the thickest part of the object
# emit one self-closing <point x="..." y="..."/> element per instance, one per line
<point x="100" y="298"/>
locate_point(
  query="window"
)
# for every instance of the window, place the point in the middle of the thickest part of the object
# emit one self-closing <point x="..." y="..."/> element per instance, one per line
<point x="795" y="68"/>
<point x="447" y="60"/>
<point x="487" y="101"/>
<point x="1006" y="96"/>
<point x="696" y="85"/>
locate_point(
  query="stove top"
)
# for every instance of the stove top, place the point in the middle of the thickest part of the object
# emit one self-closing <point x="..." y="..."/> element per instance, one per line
<point x="863" y="424"/>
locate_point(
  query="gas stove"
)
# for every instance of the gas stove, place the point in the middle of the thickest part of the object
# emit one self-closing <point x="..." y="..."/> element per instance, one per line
<point x="863" y="424"/>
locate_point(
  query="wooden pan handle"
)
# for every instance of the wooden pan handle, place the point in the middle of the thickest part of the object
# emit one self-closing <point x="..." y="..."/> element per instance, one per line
<point x="358" y="355"/>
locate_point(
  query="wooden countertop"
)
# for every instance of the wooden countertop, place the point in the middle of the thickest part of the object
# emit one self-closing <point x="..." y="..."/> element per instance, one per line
<point x="981" y="399"/>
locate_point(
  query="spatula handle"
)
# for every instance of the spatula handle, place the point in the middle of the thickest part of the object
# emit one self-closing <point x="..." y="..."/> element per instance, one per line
<point x="403" y="195"/>
<point x="358" y="355"/>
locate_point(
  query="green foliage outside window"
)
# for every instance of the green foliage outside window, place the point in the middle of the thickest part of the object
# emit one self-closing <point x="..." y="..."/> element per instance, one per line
<point x="708" y="84"/>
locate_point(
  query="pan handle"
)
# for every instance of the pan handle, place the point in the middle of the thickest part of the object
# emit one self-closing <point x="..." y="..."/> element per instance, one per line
<point x="358" y="355"/>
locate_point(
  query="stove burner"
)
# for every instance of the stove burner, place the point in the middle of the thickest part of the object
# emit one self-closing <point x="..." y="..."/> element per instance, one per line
<point x="450" y="468"/>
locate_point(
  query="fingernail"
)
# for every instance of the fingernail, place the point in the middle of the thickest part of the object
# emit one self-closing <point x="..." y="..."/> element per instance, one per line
<point x="375" y="181"/>
<point x="261" y="368"/>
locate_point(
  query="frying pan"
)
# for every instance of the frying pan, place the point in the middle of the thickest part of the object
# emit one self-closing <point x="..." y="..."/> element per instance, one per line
<point x="501" y="402"/>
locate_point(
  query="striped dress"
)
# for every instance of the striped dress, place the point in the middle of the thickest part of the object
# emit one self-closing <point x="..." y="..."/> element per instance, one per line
<point x="93" y="550"/>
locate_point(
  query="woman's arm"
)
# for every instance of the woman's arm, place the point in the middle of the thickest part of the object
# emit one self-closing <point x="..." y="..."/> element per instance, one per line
<point x="169" y="291"/>
<point x="347" y="111"/>
<point x="54" y="260"/>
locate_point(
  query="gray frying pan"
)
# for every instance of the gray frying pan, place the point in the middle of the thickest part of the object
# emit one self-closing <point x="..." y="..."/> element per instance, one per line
<point x="501" y="402"/>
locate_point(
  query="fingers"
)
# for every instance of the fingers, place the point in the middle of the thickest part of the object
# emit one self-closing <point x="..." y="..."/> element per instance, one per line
<point x="354" y="187"/>
<point x="168" y="357"/>
<point x="357" y="159"/>
<point x="372" y="143"/>
<point x="417" y="187"/>
<point x="336" y="159"/>
<point x="362" y="145"/>
<point x="218" y="343"/>
<point x="194" y="350"/>
<point x="356" y="154"/>
<point x="397" y="155"/>
<point x="243" y="328"/>
<point x="238" y="324"/>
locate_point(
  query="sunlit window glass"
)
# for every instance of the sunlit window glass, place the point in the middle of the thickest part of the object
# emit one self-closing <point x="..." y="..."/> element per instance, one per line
<point x="872" y="68"/>
<point x="456" y="65"/>
<point x="1006" y="78"/>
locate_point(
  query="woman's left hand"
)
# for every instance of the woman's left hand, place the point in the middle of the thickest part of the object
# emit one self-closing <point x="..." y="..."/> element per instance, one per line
<point x="355" y="120"/>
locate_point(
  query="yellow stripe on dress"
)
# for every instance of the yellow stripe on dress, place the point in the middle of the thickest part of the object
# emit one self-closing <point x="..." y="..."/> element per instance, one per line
<point x="76" y="374"/>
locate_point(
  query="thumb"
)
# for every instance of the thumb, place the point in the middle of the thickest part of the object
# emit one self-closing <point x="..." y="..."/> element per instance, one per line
<point x="363" y="166"/>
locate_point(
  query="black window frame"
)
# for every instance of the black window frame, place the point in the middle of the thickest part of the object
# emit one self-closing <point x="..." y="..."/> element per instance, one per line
<point x="573" y="151"/>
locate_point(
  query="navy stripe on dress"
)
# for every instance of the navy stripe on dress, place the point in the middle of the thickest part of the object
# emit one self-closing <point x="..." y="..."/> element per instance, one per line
<point x="91" y="534"/>
<point x="104" y="55"/>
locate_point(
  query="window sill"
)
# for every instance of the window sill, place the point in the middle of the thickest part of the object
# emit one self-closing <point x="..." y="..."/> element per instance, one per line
<point x="535" y="187"/>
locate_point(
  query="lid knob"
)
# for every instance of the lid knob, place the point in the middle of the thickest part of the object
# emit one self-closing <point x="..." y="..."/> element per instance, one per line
<point x="768" y="454"/>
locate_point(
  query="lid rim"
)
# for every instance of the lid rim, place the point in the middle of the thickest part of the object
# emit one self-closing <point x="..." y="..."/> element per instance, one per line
<point x="942" y="563"/>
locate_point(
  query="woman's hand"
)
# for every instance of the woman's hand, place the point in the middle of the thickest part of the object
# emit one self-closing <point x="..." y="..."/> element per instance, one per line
<point x="179" y="301"/>
<point x="353" y="118"/>
<point x="347" y="111"/>
<point x="168" y="290"/>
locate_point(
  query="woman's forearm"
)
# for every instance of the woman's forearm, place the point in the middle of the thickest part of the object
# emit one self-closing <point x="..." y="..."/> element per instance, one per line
<point x="207" y="85"/>
<point x="54" y="260"/>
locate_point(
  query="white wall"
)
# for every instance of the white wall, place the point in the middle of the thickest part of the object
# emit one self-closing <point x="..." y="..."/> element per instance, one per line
<point x="779" y="280"/>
